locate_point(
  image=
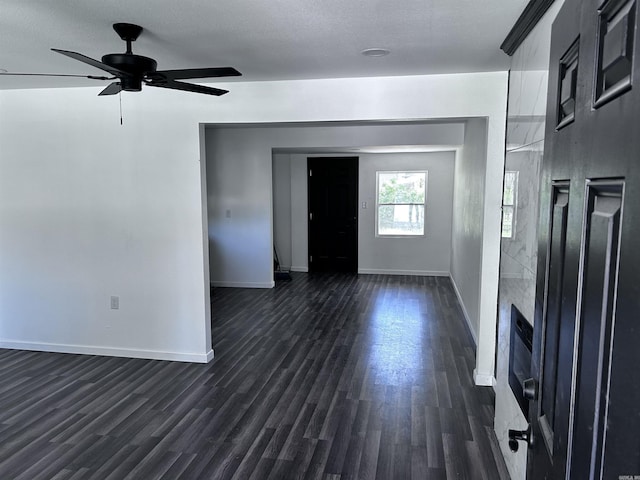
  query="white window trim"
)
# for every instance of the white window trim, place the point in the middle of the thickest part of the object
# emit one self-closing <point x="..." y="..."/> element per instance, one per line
<point x="377" y="204"/>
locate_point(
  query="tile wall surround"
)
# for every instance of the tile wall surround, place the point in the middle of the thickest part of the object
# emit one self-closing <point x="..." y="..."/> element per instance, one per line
<point x="525" y="149"/>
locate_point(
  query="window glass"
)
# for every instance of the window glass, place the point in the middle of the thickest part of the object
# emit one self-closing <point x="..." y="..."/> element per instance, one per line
<point x="509" y="197"/>
<point x="401" y="201"/>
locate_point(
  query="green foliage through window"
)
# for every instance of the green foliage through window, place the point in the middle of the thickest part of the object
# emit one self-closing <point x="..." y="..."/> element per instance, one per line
<point x="401" y="203"/>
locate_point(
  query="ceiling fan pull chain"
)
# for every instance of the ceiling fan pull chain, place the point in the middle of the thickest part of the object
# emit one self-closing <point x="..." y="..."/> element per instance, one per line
<point x="120" y="96"/>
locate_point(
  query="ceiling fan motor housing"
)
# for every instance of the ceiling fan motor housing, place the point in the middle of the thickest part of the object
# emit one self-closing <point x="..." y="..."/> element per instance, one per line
<point x="136" y="65"/>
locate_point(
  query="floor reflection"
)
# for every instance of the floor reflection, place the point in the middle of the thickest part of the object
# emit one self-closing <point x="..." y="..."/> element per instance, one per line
<point x="396" y="336"/>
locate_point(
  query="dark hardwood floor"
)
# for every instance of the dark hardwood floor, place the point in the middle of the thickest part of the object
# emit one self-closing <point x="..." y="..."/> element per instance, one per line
<point x="326" y="376"/>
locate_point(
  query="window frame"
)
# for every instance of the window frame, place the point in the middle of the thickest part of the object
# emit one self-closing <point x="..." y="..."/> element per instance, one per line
<point x="511" y="206"/>
<point x="378" y="204"/>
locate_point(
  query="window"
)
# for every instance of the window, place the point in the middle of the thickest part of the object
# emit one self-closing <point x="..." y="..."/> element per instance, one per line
<point x="400" y="205"/>
<point x="509" y="196"/>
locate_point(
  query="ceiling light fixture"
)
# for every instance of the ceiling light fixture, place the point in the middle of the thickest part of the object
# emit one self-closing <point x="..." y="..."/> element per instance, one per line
<point x="375" y="52"/>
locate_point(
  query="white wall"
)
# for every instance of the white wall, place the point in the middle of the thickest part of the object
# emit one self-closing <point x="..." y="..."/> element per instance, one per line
<point x="427" y="255"/>
<point x="282" y="208"/>
<point x="89" y="208"/>
<point x="468" y="224"/>
<point x="299" y="212"/>
<point x="474" y="271"/>
<point x="239" y="162"/>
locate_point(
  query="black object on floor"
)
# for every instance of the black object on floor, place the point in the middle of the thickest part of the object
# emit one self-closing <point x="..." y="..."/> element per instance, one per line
<point x="278" y="272"/>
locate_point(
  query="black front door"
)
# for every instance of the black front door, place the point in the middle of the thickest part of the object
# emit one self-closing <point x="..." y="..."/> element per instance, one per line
<point x="333" y="214"/>
<point x="586" y="359"/>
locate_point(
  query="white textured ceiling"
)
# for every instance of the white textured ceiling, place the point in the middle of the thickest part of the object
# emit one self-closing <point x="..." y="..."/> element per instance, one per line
<point x="264" y="39"/>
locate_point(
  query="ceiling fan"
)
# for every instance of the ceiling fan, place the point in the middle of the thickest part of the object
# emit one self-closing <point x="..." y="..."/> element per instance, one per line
<point x="130" y="71"/>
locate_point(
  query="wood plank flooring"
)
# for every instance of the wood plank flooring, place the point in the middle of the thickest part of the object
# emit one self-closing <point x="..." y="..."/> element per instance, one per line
<point x="324" y="377"/>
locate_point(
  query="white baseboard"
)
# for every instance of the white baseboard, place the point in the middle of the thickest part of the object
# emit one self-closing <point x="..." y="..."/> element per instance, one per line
<point x="417" y="273"/>
<point x="464" y="311"/>
<point x="299" y="269"/>
<point x="483" y="379"/>
<point x="480" y="379"/>
<point x="244" y="284"/>
<point x="108" y="351"/>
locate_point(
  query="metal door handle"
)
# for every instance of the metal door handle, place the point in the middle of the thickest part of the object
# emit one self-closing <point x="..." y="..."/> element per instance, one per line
<point x="520" y="435"/>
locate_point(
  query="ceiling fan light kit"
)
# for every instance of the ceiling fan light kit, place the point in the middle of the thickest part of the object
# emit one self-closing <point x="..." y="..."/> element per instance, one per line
<point x="131" y="71"/>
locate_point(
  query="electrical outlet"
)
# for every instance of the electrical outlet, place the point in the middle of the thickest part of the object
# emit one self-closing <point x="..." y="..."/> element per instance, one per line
<point x="115" y="302"/>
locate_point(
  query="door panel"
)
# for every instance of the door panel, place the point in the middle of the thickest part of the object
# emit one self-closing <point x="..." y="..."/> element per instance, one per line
<point x="600" y="266"/>
<point x="333" y="210"/>
<point x="552" y="317"/>
<point x="616" y="21"/>
<point x="586" y="415"/>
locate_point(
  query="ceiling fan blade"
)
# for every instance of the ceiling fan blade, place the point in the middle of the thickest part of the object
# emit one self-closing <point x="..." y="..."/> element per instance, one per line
<point x="195" y="73"/>
<point x="188" y="87"/>
<point x="92" y="62"/>
<point x="92" y="77"/>
<point x="112" y="89"/>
